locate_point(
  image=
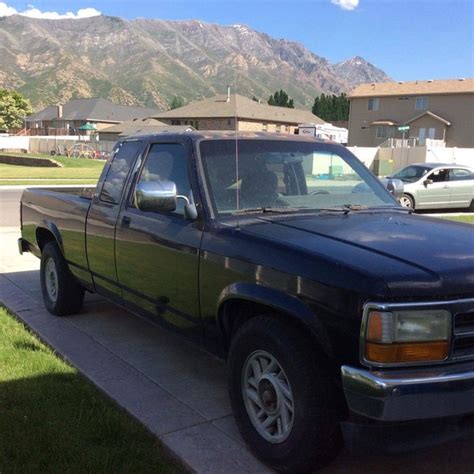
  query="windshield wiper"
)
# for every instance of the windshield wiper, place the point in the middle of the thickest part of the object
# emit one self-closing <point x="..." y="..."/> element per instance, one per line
<point x="344" y="209"/>
<point x="268" y="209"/>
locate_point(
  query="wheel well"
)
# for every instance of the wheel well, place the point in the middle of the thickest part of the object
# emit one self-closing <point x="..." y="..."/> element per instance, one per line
<point x="235" y="312"/>
<point x="411" y="197"/>
<point x="44" y="236"/>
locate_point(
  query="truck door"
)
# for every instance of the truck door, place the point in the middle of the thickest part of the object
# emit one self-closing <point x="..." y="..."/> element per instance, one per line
<point x="158" y="253"/>
<point x="102" y="217"/>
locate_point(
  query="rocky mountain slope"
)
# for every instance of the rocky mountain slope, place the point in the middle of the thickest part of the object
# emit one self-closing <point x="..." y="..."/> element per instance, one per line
<point x="149" y="62"/>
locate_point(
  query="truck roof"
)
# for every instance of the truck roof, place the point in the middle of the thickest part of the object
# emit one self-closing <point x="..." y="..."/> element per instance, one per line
<point x="228" y="134"/>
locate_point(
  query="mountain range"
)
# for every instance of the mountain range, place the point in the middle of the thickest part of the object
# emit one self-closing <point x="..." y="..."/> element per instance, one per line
<point x="148" y="62"/>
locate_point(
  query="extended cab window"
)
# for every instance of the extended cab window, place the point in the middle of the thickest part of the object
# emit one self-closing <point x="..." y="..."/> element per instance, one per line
<point x="118" y="171"/>
<point x="168" y="162"/>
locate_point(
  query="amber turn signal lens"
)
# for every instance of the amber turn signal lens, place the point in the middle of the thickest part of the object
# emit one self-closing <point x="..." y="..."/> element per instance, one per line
<point x="406" y="352"/>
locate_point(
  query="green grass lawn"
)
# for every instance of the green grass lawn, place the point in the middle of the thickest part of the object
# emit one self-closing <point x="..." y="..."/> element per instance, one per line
<point x="466" y="219"/>
<point x="74" y="171"/>
<point x="53" y="420"/>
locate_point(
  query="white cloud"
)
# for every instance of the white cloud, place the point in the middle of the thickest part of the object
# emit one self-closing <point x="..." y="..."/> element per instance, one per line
<point x="33" y="12"/>
<point x="346" y="4"/>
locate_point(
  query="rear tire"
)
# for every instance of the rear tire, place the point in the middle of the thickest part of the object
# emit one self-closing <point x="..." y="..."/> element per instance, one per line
<point x="407" y="201"/>
<point x="272" y="369"/>
<point x="62" y="294"/>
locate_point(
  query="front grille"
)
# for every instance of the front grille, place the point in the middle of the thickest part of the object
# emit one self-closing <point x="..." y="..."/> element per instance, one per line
<point x="463" y="340"/>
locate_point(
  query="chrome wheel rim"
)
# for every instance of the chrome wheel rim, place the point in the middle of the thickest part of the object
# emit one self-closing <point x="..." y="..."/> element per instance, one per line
<point x="268" y="397"/>
<point x="51" y="279"/>
<point x="405" y="202"/>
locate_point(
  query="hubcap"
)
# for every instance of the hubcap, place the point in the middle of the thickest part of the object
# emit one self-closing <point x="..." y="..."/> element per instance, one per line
<point x="267" y="396"/>
<point x="405" y="202"/>
<point x="51" y="279"/>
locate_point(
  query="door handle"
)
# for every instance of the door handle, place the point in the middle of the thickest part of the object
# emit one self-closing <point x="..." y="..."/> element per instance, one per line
<point x="126" y="221"/>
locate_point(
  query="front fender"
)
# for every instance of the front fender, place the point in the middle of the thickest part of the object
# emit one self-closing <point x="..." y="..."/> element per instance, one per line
<point x="281" y="302"/>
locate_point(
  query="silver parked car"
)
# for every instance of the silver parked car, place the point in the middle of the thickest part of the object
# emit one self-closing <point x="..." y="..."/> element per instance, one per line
<point x="437" y="186"/>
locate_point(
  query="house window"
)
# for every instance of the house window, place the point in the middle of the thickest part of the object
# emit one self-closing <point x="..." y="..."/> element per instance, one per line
<point x="175" y="122"/>
<point x="278" y="128"/>
<point x="287" y="128"/>
<point x="422" y="136"/>
<point x="264" y="127"/>
<point x="383" y="131"/>
<point x="374" y="104"/>
<point x="431" y="133"/>
<point x="421" y="103"/>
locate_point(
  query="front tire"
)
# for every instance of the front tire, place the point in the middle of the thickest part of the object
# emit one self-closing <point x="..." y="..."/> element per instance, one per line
<point x="407" y="201"/>
<point x="282" y="401"/>
<point x="62" y="294"/>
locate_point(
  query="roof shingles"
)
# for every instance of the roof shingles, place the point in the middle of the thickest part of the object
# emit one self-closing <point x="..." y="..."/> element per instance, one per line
<point x="448" y="86"/>
<point x="95" y="110"/>
<point x="240" y="107"/>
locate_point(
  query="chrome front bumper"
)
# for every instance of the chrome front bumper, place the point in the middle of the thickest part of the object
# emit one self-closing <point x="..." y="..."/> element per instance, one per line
<point x="410" y="394"/>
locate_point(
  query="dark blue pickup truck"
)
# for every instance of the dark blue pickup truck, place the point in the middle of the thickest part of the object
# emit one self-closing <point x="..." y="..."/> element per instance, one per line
<point x="341" y="314"/>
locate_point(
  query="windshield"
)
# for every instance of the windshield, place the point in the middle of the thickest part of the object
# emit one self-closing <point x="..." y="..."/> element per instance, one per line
<point x="289" y="175"/>
<point x="410" y="174"/>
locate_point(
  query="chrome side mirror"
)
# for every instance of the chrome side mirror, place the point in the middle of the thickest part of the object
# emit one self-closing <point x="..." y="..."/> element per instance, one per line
<point x="156" y="196"/>
<point x="395" y="187"/>
<point x="161" y="196"/>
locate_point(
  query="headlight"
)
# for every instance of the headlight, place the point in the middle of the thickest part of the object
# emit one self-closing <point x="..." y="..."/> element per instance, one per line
<point x="404" y="336"/>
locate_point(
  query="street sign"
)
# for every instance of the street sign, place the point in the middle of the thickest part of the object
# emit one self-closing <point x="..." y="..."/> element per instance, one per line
<point x="404" y="128"/>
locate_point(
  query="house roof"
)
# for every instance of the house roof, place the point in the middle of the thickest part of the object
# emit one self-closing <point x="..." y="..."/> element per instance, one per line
<point x="240" y="107"/>
<point x="431" y="114"/>
<point x="449" y="86"/>
<point x="142" y="126"/>
<point x="93" y="110"/>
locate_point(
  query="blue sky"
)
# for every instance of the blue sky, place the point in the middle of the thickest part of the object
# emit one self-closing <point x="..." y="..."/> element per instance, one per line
<point x="409" y="39"/>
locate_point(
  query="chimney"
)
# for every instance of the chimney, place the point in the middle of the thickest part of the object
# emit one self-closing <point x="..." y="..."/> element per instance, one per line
<point x="228" y="94"/>
<point x="60" y="111"/>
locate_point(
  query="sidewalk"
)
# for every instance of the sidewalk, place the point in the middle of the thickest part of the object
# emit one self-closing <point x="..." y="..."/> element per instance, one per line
<point x="175" y="389"/>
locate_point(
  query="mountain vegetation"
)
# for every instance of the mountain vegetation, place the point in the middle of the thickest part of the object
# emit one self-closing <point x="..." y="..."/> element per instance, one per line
<point x="150" y="62"/>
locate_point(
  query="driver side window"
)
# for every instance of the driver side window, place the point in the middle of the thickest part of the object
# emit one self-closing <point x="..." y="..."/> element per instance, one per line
<point x="168" y="162"/>
<point x="439" y="176"/>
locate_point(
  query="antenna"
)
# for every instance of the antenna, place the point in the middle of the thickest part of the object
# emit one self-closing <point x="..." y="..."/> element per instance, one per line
<point x="237" y="177"/>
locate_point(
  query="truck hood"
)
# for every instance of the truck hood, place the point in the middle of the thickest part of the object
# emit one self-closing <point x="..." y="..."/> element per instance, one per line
<point x="416" y="256"/>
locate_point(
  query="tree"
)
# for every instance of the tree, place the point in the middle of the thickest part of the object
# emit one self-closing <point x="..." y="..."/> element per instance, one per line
<point x="13" y="109"/>
<point x="331" y="107"/>
<point x="176" y="102"/>
<point x="281" y="99"/>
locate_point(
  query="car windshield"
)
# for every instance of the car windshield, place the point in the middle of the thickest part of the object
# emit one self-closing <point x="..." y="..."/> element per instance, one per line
<point x="410" y="174"/>
<point x="287" y="176"/>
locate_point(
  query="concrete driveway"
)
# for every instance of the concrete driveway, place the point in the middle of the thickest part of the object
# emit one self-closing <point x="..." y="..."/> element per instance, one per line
<point x="174" y="388"/>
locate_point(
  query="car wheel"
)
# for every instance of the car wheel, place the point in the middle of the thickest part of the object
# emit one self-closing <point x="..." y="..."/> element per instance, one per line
<point x="281" y="398"/>
<point x="62" y="294"/>
<point x="471" y="207"/>
<point x="407" y="201"/>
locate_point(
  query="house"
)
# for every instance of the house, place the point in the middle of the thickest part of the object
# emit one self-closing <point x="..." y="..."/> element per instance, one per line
<point x="440" y="112"/>
<point x="222" y="111"/>
<point x="139" y="126"/>
<point x="90" y="114"/>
